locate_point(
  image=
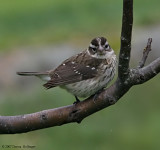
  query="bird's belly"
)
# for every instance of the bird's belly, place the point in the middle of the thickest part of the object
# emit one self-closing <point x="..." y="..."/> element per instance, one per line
<point x="83" y="88"/>
<point x="89" y="87"/>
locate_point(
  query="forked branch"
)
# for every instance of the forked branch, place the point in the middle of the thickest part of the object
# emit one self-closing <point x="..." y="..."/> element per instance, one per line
<point x="76" y="113"/>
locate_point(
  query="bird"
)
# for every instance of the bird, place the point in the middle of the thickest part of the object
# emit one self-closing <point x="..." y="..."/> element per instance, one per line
<point x="83" y="74"/>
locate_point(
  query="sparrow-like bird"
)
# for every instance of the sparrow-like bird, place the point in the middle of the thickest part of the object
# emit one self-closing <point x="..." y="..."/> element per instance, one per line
<point x="83" y="74"/>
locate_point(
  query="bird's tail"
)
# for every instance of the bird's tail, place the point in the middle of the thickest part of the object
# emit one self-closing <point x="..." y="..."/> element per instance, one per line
<point x="42" y="75"/>
<point x="31" y="73"/>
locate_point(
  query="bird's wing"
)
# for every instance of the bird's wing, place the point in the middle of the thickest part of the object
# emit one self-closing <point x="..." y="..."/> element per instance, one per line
<point x="70" y="72"/>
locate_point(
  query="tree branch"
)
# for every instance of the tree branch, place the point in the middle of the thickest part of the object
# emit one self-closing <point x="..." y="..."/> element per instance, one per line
<point x="77" y="112"/>
<point x="144" y="74"/>
<point x="62" y="115"/>
<point x="126" y="34"/>
<point x="145" y="53"/>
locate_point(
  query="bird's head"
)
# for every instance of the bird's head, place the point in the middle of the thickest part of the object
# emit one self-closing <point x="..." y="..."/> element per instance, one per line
<point x="99" y="48"/>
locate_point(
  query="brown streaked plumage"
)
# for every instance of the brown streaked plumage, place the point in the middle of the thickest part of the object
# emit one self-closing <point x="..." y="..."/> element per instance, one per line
<point x="85" y="73"/>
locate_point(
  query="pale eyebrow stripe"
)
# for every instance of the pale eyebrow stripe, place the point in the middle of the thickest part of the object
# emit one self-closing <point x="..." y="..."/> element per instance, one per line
<point x="91" y="45"/>
<point x="106" y="43"/>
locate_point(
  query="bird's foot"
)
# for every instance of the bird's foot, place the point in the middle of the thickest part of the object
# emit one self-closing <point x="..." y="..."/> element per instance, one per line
<point x="77" y="100"/>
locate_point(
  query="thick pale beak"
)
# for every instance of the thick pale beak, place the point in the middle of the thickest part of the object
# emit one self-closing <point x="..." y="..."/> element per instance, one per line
<point x="101" y="50"/>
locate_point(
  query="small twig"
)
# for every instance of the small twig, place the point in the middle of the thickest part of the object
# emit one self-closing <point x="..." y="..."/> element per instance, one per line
<point x="145" y="53"/>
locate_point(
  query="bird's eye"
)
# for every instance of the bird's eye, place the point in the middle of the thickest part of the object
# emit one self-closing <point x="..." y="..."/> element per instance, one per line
<point x="93" y="49"/>
<point x="106" y="46"/>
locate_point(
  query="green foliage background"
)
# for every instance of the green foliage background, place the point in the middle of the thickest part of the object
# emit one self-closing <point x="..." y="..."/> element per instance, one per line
<point x="133" y="123"/>
<point x="34" y="22"/>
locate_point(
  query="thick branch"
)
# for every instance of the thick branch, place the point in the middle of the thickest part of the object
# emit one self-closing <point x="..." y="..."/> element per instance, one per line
<point x="126" y="34"/>
<point x="62" y="115"/>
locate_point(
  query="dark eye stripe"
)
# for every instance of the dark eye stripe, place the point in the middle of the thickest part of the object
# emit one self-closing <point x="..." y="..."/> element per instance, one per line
<point x="94" y="48"/>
